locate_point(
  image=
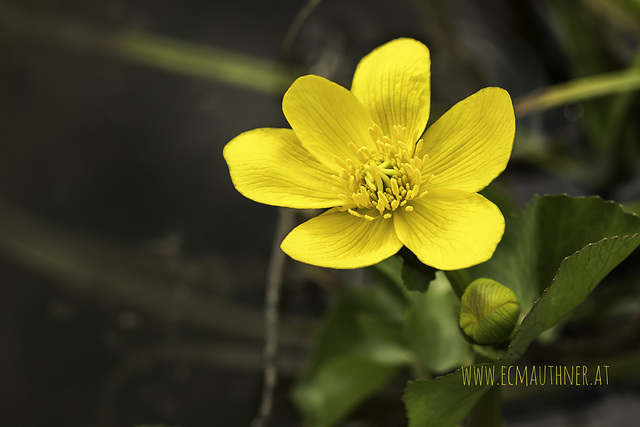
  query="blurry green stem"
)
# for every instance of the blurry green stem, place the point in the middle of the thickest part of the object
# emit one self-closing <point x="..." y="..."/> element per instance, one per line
<point x="247" y="71"/>
<point x="487" y="411"/>
<point x="459" y="280"/>
<point x="617" y="151"/>
<point x="165" y="53"/>
<point x="578" y="90"/>
<point x="296" y="25"/>
<point x="617" y="113"/>
<point x="202" y="61"/>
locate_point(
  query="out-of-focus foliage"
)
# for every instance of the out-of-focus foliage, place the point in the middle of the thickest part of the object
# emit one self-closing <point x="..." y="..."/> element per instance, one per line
<point x="578" y="260"/>
<point x="132" y="275"/>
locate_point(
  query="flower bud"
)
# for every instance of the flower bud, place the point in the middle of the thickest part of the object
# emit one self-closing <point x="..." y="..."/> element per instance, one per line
<point x="489" y="312"/>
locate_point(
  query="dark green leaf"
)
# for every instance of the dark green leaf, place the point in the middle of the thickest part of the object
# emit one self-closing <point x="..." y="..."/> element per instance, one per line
<point x="337" y="387"/>
<point x="346" y="330"/>
<point x="540" y="250"/>
<point x="358" y="348"/>
<point x="415" y="275"/>
<point x="432" y="328"/>
<point x="390" y="269"/>
<point x="442" y="402"/>
<point x="550" y="229"/>
<point x="577" y="276"/>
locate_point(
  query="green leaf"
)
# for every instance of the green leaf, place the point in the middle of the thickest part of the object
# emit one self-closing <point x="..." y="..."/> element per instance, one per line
<point x="532" y="254"/>
<point x="445" y="401"/>
<point x="432" y="328"/>
<point x="577" y="276"/>
<point x="379" y="299"/>
<point x="360" y="345"/>
<point x="442" y="402"/>
<point x="337" y="387"/>
<point x="632" y="207"/>
<point x="415" y="275"/>
<point x="346" y="330"/>
<point x="391" y="270"/>
<point x="550" y="229"/>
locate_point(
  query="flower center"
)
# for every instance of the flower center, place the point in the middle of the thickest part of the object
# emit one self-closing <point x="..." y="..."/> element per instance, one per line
<point x="375" y="183"/>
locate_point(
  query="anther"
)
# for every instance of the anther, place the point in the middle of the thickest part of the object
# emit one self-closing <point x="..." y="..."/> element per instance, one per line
<point x="363" y="154"/>
<point x="354" y="213"/>
<point x="382" y="177"/>
<point x="369" y="183"/>
<point x="418" y="147"/>
<point x="375" y="132"/>
<point x="378" y="177"/>
<point x="394" y="188"/>
<point x="354" y="151"/>
<point x="383" y="201"/>
<point x="340" y="162"/>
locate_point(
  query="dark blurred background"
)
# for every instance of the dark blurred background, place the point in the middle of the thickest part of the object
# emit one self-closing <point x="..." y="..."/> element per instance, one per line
<point x="132" y="274"/>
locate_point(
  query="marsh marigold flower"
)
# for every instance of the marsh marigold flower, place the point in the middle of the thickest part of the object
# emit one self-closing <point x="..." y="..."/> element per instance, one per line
<point x="365" y="155"/>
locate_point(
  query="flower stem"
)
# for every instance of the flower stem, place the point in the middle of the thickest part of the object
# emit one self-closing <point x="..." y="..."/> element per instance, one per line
<point x="459" y="280"/>
<point x="272" y="319"/>
<point x="486" y="412"/>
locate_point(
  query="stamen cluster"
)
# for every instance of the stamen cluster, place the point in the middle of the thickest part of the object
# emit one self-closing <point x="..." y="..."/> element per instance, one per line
<point x="375" y="183"/>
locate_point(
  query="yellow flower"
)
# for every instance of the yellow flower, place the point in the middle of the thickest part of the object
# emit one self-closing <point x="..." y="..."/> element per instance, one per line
<point x="358" y="153"/>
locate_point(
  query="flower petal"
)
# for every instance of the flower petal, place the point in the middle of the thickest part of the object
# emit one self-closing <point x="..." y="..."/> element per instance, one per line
<point x="270" y="166"/>
<point x="451" y="229"/>
<point x="394" y="83"/>
<point x="326" y="117"/>
<point x="337" y="239"/>
<point x="471" y="143"/>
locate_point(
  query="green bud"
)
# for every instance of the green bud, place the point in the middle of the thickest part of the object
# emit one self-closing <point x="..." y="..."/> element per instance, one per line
<point x="489" y="312"/>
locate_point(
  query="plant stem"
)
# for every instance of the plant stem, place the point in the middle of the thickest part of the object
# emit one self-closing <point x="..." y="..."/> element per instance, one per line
<point x="165" y="53"/>
<point x="578" y="90"/>
<point x="272" y="318"/>
<point x="486" y="412"/>
<point x="459" y="280"/>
